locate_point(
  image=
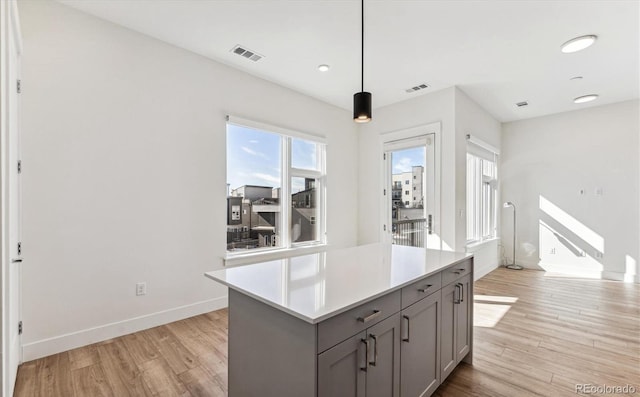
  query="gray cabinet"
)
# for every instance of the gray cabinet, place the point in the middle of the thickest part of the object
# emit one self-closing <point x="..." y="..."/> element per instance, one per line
<point x="457" y="323"/>
<point x="383" y="372"/>
<point x="341" y="369"/>
<point x="420" y="351"/>
<point x="367" y="364"/>
<point x="403" y="343"/>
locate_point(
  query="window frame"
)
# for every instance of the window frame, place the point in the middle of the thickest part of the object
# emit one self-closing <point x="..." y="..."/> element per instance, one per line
<point x="287" y="173"/>
<point x="485" y="201"/>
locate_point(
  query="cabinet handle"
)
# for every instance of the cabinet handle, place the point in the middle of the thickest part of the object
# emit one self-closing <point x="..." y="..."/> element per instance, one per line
<point x="366" y="354"/>
<point x="459" y="271"/>
<point x="375" y="350"/>
<point x="461" y="292"/>
<point x="373" y="316"/>
<point x="456" y="295"/>
<point x="408" y="327"/>
<point x="426" y="287"/>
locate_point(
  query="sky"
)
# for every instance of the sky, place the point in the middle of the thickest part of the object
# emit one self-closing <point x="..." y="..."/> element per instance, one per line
<point x="254" y="158"/>
<point x="403" y="160"/>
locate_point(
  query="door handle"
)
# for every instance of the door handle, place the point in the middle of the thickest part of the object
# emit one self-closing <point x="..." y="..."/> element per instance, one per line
<point x="366" y="354"/>
<point x="16" y="260"/>
<point x="375" y="350"/>
<point x="408" y="326"/>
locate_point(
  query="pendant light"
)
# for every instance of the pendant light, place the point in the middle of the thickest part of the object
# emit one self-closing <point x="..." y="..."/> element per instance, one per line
<point x="362" y="99"/>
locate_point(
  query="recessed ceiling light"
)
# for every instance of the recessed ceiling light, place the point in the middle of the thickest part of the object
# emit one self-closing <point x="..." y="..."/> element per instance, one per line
<point x="586" y="98"/>
<point x="323" y="67"/>
<point x="579" y="43"/>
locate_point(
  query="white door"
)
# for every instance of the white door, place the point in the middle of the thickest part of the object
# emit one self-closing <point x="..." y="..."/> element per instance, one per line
<point x="411" y="191"/>
<point x="12" y="257"/>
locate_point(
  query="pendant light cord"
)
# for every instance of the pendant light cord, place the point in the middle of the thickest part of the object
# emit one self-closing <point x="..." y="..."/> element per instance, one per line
<point x="362" y="49"/>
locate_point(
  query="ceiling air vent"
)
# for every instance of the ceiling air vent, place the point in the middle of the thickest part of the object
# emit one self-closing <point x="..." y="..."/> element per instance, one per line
<point x="417" y="88"/>
<point x="244" y="52"/>
<point x="522" y="104"/>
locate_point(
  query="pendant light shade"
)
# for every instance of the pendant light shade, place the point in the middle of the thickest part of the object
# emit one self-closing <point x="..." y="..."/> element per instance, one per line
<point x="362" y="99"/>
<point x="362" y="107"/>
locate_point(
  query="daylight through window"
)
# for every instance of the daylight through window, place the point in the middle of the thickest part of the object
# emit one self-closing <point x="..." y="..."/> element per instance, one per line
<point x="481" y="194"/>
<point x="275" y="188"/>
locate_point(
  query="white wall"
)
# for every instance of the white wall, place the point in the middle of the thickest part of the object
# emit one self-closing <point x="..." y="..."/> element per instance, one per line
<point x="471" y="119"/>
<point x="547" y="162"/>
<point x="124" y="175"/>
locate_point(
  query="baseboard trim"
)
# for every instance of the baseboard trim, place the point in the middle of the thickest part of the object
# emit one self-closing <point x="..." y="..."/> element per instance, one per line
<point x="608" y="275"/>
<point x="58" y="344"/>
<point x="481" y="271"/>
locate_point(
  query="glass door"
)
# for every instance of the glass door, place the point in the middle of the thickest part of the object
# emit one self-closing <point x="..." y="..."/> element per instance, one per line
<point x="410" y="192"/>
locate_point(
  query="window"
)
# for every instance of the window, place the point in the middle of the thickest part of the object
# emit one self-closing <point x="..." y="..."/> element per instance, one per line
<point x="406" y="203"/>
<point x="414" y="188"/>
<point x="278" y="177"/>
<point x="481" y="196"/>
<point x="406" y="192"/>
<point x="406" y="182"/>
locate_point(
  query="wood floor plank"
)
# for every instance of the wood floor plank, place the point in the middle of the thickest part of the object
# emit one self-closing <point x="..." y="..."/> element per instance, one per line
<point x="26" y="381"/>
<point x="161" y="379"/>
<point x="540" y="336"/>
<point x="140" y="348"/>
<point x="202" y="383"/>
<point x="178" y="357"/>
<point x="91" y="381"/>
<point x="83" y="357"/>
<point x="54" y="375"/>
<point x="124" y="377"/>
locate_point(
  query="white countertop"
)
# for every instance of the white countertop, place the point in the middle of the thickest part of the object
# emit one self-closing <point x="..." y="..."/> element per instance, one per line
<point x="318" y="286"/>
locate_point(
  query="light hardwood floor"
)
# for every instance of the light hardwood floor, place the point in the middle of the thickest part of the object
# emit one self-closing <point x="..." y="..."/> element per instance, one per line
<point x="534" y="335"/>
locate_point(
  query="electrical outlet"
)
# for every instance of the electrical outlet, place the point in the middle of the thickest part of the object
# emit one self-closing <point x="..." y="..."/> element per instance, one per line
<point x="141" y="288"/>
<point x="553" y="251"/>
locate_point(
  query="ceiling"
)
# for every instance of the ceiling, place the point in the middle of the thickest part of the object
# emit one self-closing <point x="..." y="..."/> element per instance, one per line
<point x="498" y="52"/>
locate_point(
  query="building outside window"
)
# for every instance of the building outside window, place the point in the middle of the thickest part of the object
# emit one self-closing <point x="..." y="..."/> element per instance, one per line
<point x="275" y="188"/>
<point x="482" y="182"/>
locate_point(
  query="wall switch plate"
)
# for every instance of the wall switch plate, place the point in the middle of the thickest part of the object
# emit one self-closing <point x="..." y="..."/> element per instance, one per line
<point x="141" y="289"/>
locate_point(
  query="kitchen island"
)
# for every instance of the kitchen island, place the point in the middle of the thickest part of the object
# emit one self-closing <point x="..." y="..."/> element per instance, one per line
<point x="374" y="320"/>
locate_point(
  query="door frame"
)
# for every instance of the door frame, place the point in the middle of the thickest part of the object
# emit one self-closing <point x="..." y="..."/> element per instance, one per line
<point x="407" y="134"/>
<point x="11" y="30"/>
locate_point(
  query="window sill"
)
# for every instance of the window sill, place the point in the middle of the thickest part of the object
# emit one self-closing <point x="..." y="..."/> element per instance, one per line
<point x="231" y="260"/>
<point x="479" y="244"/>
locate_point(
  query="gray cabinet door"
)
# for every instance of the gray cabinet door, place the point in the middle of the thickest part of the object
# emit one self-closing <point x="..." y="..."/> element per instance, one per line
<point x="341" y="369"/>
<point x="420" y="348"/>
<point x="463" y="309"/>
<point x="448" y="353"/>
<point x="383" y="372"/>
